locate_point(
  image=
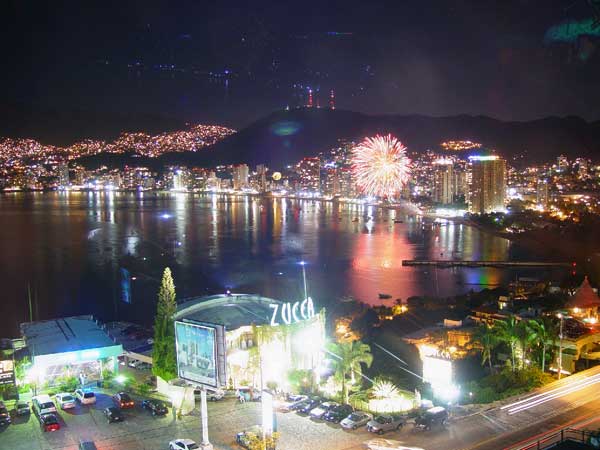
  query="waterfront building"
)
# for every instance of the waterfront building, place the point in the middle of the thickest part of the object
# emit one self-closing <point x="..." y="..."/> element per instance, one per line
<point x="63" y="175"/>
<point x="234" y="340"/>
<point x="69" y="346"/>
<point x="487" y="190"/>
<point x="240" y="177"/>
<point x="261" y="173"/>
<point x="443" y="177"/>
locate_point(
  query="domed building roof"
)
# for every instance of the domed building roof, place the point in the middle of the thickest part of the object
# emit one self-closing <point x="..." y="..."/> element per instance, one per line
<point x="584" y="297"/>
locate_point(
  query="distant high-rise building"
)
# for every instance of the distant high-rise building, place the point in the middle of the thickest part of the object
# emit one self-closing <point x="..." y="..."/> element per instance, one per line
<point x="63" y="175"/>
<point x="310" y="98"/>
<point x="212" y="182"/>
<point x="309" y="172"/>
<point x="542" y="196"/>
<point x="240" y="177"/>
<point x="261" y="172"/>
<point x="332" y="100"/>
<point x="562" y="163"/>
<point x="443" y="177"/>
<point x="487" y="190"/>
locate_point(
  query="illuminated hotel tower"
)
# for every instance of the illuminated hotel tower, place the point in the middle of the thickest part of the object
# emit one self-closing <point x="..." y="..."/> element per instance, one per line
<point x="310" y="98"/>
<point x="331" y="100"/>
<point x="487" y="190"/>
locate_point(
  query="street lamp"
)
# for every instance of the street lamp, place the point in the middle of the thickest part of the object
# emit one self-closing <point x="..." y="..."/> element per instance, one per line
<point x="560" y="336"/>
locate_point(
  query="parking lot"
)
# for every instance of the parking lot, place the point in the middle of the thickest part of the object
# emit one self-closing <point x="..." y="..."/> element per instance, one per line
<point x="142" y="431"/>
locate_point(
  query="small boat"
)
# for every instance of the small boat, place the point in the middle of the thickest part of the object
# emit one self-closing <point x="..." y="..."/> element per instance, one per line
<point x="398" y="221"/>
<point x="385" y="296"/>
<point x="347" y="299"/>
<point x="355" y="219"/>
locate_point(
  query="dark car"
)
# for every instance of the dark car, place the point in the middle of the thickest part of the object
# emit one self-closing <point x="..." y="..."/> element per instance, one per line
<point x="437" y="416"/>
<point x="310" y="404"/>
<point x="156" y="407"/>
<point x="299" y="404"/>
<point x="4" y="415"/>
<point x="22" y="408"/>
<point x="123" y="400"/>
<point x="113" y="414"/>
<point x="49" y="422"/>
<point x="339" y="413"/>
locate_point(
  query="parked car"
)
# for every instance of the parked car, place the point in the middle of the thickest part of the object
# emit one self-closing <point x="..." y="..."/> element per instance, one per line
<point x="134" y="363"/>
<point x="22" y="408"/>
<point x="431" y="418"/>
<point x="49" y="422"/>
<point x="87" y="445"/>
<point x="319" y="411"/>
<point x="43" y="404"/>
<point x="387" y="444"/>
<point x="383" y="423"/>
<point x="309" y="405"/>
<point x="299" y="404"/>
<point x="64" y="400"/>
<point x="85" y="396"/>
<point x="182" y="444"/>
<point x="123" y="400"/>
<point x="156" y="407"/>
<point x="4" y="415"/>
<point x="356" y="420"/>
<point x="113" y="414"/>
<point x="337" y="414"/>
<point x="288" y="405"/>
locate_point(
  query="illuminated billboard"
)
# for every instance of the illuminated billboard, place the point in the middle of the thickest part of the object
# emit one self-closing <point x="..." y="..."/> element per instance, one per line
<point x="196" y="350"/>
<point x="7" y="372"/>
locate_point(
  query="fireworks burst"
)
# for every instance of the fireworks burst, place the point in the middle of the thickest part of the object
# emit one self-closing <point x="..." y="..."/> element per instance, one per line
<point x="381" y="166"/>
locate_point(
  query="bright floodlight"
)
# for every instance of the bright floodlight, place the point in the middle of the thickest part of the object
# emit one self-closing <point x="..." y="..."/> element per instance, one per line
<point x="165" y="216"/>
<point x="120" y="379"/>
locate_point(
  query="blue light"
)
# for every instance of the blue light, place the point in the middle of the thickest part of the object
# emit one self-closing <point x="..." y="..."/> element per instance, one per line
<point x="165" y="216"/>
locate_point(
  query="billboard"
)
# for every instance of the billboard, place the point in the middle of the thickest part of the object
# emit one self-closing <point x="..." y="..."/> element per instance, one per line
<point x="7" y="372"/>
<point x="196" y="353"/>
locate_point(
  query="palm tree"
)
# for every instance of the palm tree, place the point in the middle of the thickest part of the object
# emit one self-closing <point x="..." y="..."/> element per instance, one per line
<point x="487" y="339"/>
<point x="348" y="357"/>
<point x="542" y="332"/>
<point x="508" y="331"/>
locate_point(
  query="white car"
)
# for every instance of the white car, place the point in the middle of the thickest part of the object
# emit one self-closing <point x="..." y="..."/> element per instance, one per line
<point x="85" y="397"/>
<point x="64" y="400"/>
<point x="182" y="444"/>
<point x="356" y="420"/>
<point x="387" y="444"/>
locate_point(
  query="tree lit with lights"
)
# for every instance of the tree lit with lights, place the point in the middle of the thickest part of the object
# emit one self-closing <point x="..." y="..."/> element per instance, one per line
<point x="381" y="166"/>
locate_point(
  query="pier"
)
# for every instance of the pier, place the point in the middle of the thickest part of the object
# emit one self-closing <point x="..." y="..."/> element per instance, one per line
<point x="465" y="263"/>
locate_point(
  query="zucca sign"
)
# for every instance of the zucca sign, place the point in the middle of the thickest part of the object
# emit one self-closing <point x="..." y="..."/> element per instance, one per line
<point x="288" y="313"/>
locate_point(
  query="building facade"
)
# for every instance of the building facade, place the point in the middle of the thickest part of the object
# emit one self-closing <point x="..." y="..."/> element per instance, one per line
<point x="487" y="189"/>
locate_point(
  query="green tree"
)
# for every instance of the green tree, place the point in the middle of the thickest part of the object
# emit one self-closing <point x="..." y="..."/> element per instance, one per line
<point x="348" y="357"/>
<point x="508" y="331"/>
<point x="488" y="340"/>
<point x="164" y="362"/>
<point x="543" y="332"/>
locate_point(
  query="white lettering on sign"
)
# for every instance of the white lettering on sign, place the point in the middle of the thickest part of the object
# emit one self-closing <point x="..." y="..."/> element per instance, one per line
<point x="288" y="312"/>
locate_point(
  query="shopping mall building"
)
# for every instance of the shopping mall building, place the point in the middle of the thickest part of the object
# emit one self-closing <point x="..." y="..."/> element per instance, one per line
<point x="234" y="340"/>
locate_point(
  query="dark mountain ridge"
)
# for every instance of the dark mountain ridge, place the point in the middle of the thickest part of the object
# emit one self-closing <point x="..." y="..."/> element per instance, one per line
<point x="284" y="137"/>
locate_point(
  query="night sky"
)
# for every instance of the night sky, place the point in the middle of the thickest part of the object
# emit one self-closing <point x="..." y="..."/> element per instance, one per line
<point x="231" y="63"/>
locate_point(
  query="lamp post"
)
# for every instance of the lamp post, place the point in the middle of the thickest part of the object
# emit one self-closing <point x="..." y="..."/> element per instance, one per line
<point x="205" y="444"/>
<point x="560" y="337"/>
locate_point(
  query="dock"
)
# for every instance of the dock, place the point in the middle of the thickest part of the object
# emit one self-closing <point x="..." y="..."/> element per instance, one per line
<point x="466" y="263"/>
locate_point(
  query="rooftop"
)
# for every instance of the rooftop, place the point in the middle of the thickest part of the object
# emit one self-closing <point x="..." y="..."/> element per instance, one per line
<point x="585" y="297"/>
<point x="63" y="335"/>
<point x="231" y="310"/>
